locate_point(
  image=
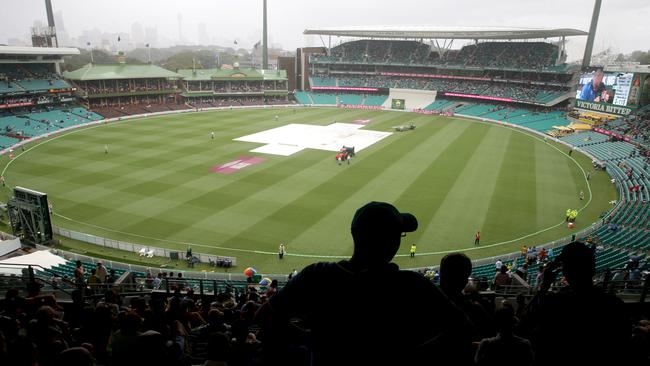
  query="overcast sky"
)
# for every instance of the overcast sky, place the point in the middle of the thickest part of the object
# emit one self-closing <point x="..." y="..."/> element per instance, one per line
<point x="624" y="24"/>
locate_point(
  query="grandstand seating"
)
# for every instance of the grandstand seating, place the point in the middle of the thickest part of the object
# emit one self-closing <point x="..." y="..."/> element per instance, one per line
<point x="323" y="98"/>
<point x="25" y="77"/>
<point x="42" y="84"/>
<point x="39" y="123"/>
<point x="529" y="55"/>
<point x="351" y="99"/>
<point x="635" y="126"/>
<point x="522" y="92"/>
<point x="539" y="121"/>
<point x="440" y="104"/>
<point x="374" y="100"/>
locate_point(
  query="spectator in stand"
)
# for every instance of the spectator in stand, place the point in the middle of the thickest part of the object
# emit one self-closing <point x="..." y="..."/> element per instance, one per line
<point x="491" y="351"/>
<point x="101" y="272"/>
<point x="502" y="278"/>
<point x="347" y="328"/>
<point x="580" y="324"/>
<point x="455" y="270"/>
<point x="123" y="341"/>
<point x="79" y="274"/>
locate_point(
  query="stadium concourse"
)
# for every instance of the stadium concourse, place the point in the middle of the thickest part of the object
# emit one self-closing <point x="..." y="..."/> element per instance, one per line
<point x="83" y="312"/>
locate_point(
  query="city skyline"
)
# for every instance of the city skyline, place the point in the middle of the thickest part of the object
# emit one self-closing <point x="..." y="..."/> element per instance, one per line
<point x="164" y="23"/>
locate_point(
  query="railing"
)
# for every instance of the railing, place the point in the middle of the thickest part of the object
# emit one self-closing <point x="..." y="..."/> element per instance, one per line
<point x="55" y="284"/>
<point x="139" y="248"/>
<point x="223" y="276"/>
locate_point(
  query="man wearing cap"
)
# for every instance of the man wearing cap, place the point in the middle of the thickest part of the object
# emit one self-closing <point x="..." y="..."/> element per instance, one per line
<point x="351" y="323"/>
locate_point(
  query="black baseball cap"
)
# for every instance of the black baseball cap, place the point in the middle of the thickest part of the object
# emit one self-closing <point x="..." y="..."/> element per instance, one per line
<point x="382" y="216"/>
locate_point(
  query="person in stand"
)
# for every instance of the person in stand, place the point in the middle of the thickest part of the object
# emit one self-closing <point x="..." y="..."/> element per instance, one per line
<point x="101" y="272"/>
<point x="346" y="327"/>
<point x="477" y="238"/>
<point x="281" y="251"/>
<point x="581" y="323"/>
<point x="79" y="275"/>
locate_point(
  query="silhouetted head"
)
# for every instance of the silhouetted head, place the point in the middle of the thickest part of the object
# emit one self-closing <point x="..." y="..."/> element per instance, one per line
<point x="578" y="264"/>
<point x="377" y="229"/>
<point x="76" y="356"/>
<point x="219" y="348"/>
<point x="455" y="269"/>
<point x="504" y="320"/>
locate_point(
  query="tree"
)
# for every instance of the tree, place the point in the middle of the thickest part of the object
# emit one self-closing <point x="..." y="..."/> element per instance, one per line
<point x="99" y="56"/>
<point x="202" y="59"/>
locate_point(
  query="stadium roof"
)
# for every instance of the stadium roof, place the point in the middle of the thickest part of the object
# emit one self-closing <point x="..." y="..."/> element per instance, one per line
<point x="45" y="51"/>
<point x="446" y="33"/>
<point x="119" y="71"/>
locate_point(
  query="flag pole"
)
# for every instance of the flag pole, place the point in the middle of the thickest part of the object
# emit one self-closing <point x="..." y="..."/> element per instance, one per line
<point x="92" y="60"/>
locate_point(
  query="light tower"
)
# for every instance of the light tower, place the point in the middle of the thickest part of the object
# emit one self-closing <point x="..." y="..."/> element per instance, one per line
<point x="53" y="41"/>
<point x="586" y="59"/>
<point x="265" y="45"/>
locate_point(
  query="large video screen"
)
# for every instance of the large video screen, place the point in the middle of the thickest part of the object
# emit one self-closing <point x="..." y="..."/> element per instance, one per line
<point x="605" y="87"/>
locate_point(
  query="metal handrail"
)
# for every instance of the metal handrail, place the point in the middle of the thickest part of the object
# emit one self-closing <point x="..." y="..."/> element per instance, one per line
<point x="47" y="270"/>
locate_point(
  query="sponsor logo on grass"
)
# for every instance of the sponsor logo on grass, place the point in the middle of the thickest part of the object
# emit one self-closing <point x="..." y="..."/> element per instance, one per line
<point x="235" y="165"/>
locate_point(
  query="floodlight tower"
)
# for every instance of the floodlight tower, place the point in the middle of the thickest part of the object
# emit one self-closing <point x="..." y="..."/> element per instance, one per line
<point x="265" y="45"/>
<point x="53" y="41"/>
<point x="586" y="59"/>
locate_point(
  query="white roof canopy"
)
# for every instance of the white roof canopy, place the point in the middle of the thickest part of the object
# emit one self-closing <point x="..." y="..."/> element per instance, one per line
<point x="446" y="33"/>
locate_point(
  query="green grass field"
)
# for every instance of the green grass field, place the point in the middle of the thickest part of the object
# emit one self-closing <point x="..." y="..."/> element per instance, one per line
<point x="457" y="176"/>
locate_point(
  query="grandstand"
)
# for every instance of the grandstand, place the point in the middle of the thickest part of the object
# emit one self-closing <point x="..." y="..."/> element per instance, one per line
<point x="527" y="76"/>
<point x="238" y="86"/>
<point x="119" y="89"/>
<point x="34" y="98"/>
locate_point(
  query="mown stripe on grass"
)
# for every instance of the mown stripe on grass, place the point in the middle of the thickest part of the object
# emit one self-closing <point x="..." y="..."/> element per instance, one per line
<point x="466" y="196"/>
<point x="513" y="206"/>
<point x="295" y="216"/>
<point x="388" y="185"/>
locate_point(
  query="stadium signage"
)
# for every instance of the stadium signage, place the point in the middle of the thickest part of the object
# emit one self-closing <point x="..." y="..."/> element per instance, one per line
<point x="610" y="133"/>
<point x="66" y="90"/>
<point x="356" y="106"/>
<point x="603" y="107"/>
<point x="12" y="105"/>
<point x="478" y="97"/>
<point x="342" y="88"/>
<point x="432" y="76"/>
